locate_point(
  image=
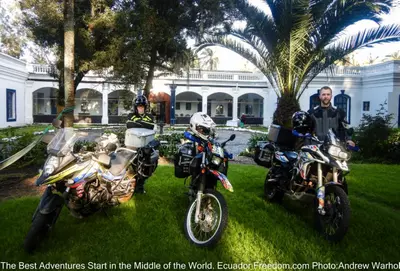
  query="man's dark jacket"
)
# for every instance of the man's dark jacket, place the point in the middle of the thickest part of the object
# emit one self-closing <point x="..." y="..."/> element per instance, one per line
<point x="145" y="120"/>
<point x="325" y="118"/>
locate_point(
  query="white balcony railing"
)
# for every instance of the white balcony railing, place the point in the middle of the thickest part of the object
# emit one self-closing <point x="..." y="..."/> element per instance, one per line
<point x="391" y="66"/>
<point x="221" y="76"/>
<point x="40" y="69"/>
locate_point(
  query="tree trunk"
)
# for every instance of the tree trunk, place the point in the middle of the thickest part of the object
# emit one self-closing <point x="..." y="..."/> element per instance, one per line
<point x="69" y="44"/>
<point x="287" y="105"/>
<point x="150" y="74"/>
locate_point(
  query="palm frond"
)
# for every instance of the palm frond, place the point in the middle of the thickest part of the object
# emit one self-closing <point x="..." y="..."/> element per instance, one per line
<point x="263" y="63"/>
<point x="254" y="41"/>
<point x="274" y="8"/>
<point x="259" y="24"/>
<point x="339" y="14"/>
<point x="383" y="33"/>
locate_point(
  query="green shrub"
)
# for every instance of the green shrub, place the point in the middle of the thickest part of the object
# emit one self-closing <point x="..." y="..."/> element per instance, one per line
<point x="35" y="157"/>
<point x="120" y="132"/>
<point x="377" y="139"/>
<point x="254" y="139"/>
<point x="247" y="154"/>
<point x="169" y="150"/>
<point x="89" y="145"/>
<point x="18" y="131"/>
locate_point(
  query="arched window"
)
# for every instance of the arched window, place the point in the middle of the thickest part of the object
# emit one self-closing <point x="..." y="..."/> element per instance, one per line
<point x="249" y="109"/>
<point x="314" y="100"/>
<point x="343" y="101"/>
<point x="219" y="110"/>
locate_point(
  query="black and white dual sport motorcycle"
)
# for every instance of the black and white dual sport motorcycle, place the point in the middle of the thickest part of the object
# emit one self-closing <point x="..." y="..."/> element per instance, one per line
<point x="316" y="174"/>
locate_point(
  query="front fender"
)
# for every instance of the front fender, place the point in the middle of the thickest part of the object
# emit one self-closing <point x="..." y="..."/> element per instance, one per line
<point x="224" y="180"/>
<point x="41" y="179"/>
<point x="48" y="203"/>
<point x="342" y="186"/>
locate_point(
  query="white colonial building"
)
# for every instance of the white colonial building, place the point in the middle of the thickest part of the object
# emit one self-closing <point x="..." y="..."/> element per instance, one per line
<point x="29" y="94"/>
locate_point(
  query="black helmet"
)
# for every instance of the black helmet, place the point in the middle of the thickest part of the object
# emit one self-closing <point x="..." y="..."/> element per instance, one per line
<point x="140" y="100"/>
<point x="302" y="122"/>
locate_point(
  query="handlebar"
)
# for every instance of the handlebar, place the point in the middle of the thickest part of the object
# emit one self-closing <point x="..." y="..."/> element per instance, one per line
<point x="308" y="135"/>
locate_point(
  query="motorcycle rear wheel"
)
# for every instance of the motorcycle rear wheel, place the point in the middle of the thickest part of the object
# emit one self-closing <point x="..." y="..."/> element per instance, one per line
<point x="214" y="219"/>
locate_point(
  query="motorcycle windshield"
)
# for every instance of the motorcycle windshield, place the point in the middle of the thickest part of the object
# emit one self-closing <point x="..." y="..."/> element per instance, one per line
<point x="63" y="142"/>
<point x="332" y="138"/>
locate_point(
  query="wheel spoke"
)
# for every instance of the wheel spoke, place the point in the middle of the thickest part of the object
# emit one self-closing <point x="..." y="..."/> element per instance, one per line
<point x="208" y="225"/>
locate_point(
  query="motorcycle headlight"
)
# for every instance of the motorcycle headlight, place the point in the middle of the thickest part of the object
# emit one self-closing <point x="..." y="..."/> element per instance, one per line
<point x="334" y="151"/>
<point x="218" y="150"/>
<point x="338" y="153"/>
<point x="216" y="160"/>
<point x="344" y="155"/>
<point x="51" y="164"/>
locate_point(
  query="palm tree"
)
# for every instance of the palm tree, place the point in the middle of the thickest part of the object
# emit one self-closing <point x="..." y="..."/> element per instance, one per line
<point x="348" y="60"/>
<point x="298" y="39"/>
<point x="209" y="59"/>
<point x="371" y="59"/>
<point x="393" y="56"/>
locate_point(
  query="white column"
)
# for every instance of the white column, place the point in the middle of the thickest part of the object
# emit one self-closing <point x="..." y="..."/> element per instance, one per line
<point x="268" y="109"/>
<point x="28" y="102"/>
<point x="204" y="101"/>
<point x="235" y="108"/>
<point x="104" y="119"/>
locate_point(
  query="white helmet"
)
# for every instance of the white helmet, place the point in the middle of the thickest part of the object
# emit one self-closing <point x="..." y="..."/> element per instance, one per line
<point x="202" y="125"/>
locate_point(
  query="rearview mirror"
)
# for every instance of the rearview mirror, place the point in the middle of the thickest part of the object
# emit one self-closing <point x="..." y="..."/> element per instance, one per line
<point x="232" y="137"/>
<point x="56" y="123"/>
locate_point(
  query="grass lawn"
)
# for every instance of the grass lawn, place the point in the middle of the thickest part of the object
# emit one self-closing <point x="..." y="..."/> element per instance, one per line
<point x="150" y="227"/>
<point x="258" y="128"/>
<point x="17" y="131"/>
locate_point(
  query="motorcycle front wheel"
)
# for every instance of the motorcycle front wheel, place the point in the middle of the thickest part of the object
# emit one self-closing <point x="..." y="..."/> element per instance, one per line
<point x="335" y="223"/>
<point x="41" y="225"/>
<point x="212" y="221"/>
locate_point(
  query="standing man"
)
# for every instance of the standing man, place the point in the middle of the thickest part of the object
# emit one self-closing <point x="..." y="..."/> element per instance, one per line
<point x="140" y="119"/>
<point x="326" y="117"/>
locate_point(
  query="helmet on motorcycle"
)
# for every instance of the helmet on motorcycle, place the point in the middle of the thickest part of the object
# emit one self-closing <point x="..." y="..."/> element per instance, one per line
<point x="202" y="125"/>
<point x="302" y="122"/>
<point x="140" y="100"/>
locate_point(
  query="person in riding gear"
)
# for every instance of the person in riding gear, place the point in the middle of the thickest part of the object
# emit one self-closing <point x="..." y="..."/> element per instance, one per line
<point x="140" y="119"/>
<point x="326" y="117"/>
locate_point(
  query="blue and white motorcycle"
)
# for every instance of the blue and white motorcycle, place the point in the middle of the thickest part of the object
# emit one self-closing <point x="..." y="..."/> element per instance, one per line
<point x="316" y="175"/>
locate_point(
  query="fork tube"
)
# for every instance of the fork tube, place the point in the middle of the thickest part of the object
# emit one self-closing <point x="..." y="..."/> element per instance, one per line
<point x="320" y="191"/>
<point x="201" y="189"/>
<point x="319" y="175"/>
<point x="199" y="196"/>
<point x="335" y="174"/>
<point x="203" y="160"/>
<point x="198" y="203"/>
